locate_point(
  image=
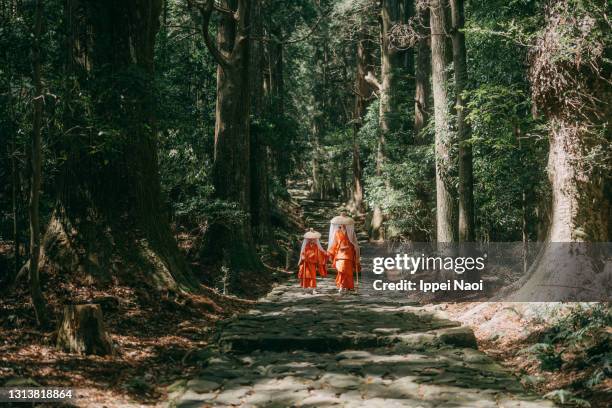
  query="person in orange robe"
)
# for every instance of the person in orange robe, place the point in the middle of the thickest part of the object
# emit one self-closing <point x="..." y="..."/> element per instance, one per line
<point x="312" y="261"/>
<point x="343" y="250"/>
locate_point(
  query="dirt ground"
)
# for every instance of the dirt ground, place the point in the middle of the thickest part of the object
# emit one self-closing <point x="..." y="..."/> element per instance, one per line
<point x="506" y="331"/>
<point x="152" y="348"/>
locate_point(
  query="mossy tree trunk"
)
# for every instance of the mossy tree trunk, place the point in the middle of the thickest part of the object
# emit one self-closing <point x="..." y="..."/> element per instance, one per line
<point x="108" y="217"/>
<point x="570" y="86"/>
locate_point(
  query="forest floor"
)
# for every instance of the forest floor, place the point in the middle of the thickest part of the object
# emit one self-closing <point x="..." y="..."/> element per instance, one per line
<point x="154" y="340"/>
<point x="508" y="333"/>
<point x="158" y="338"/>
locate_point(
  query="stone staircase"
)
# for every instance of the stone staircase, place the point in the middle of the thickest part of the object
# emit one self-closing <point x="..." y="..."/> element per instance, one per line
<point x="317" y="213"/>
<point x="362" y="350"/>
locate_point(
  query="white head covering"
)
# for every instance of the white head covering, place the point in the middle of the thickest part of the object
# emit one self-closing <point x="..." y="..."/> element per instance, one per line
<point x="310" y="235"/>
<point x="349" y="224"/>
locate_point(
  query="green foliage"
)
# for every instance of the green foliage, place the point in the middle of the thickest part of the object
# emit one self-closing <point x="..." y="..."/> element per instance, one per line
<point x="509" y="155"/>
<point x="406" y="185"/>
<point x="509" y="146"/>
<point x="565" y="397"/>
<point x="580" y="338"/>
<point x="550" y="359"/>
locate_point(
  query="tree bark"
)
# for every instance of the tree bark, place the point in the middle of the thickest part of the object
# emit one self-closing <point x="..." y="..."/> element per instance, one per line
<point x="278" y="81"/>
<point x="407" y="70"/>
<point x="36" y="161"/>
<point x="524" y="230"/>
<point x="109" y="210"/>
<point x="260" y="195"/>
<point x="316" y="189"/>
<point x="563" y="269"/>
<point x="320" y="185"/>
<point x="15" y="195"/>
<point x="574" y="97"/>
<point x="362" y="97"/>
<point x="228" y="241"/>
<point x="82" y="331"/>
<point x="422" y="70"/>
<point x="388" y="103"/>
<point x="466" y="178"/>
<point x="257" y="60"/>
<point x="390" y="67"/>
<point x="445" y="203"/>
<point x="579" y="207"/>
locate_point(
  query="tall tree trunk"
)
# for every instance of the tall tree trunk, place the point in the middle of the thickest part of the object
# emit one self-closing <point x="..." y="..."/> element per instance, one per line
<point x="231" y="172"/>
<point x="466" y="178"/>
<point x="36" y="160"/>
<point x="579" y="207"/>
<point x="15" y="198"/>
<point x="356" y="190"/>
<point x="316" y="189"/>
<point x="422" y="69"/>
<point x="524" y="208"/>
<point x="388" y="104"/>
<point x="406" y="11"/>
<point x="445" y="203"/>
<point x="389" y="70"/>
<point x="362" y="96"/>
<point x="279" y="81"/>
<point x="574" y="97"/>
<point x="109" y="210"/>
<point x="321" y="183"/>
<point x="260" y="196"/>
<point x="275" y="68"/>
<point x="274" y="89"/>
<point x="257" y="60"/>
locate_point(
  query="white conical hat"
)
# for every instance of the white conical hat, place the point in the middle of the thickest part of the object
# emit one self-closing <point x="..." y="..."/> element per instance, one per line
<point x="312" y="234"/>
<point x="342" y="219"/>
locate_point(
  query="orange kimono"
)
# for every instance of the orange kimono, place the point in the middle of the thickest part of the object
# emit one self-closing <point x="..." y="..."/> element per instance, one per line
<point x="344" y="259"/>
<point x="312" y="261"/>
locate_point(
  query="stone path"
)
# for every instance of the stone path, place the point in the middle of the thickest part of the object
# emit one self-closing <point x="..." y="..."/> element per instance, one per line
<point x="359" y="350"/>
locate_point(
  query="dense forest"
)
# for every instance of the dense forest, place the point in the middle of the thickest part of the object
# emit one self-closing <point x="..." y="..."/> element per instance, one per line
<point x="149" y="148"/>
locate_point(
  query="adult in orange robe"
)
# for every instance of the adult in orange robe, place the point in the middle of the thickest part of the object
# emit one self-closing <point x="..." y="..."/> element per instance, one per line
<point x="343" y="250"/>
<point x="312" y="261"/>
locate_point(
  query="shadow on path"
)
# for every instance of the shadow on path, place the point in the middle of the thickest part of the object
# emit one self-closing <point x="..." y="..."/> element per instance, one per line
<point x="357" y="350"/>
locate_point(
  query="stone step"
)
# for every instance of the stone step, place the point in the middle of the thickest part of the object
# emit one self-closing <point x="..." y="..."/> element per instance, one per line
<point x="291" y="320"/>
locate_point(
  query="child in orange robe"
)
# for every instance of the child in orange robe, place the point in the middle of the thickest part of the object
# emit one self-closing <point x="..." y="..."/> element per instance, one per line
<point x="343" y="250"/>
<point x="312" y="261"/>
